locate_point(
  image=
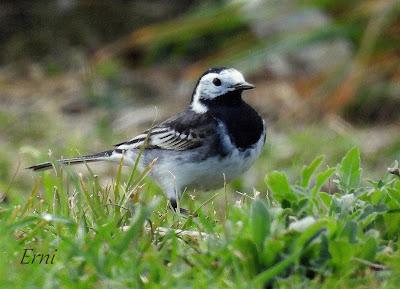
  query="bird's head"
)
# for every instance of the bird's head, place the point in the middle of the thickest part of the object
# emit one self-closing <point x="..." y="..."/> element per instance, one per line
<point x="218" y="85"/>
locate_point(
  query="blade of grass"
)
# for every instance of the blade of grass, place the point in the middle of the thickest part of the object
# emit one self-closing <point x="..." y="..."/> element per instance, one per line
<point x="141" y="151"/>
<point x="266" y="276"/>
<point x="198" y="209"/>
<point x="30" y="201"/>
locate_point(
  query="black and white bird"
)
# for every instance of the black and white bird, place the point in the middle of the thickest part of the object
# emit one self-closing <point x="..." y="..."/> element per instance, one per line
<point x="216" y="139"/>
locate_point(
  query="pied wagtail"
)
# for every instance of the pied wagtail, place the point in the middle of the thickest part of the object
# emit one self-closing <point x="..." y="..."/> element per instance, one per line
<point x="217" y="138"/>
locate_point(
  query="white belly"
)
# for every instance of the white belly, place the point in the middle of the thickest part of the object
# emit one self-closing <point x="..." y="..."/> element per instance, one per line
<point x="178" y="171"/>
<point x="211" y="173"/>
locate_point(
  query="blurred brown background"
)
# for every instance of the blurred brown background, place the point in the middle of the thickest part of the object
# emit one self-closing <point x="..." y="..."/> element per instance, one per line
<point x="79" y="76"/>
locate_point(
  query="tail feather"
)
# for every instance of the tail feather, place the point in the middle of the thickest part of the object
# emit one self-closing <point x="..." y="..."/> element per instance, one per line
<point x="102" y="156"/>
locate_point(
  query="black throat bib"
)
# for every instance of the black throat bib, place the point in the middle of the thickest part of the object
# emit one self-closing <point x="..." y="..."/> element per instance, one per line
<point x="244" y="125"/>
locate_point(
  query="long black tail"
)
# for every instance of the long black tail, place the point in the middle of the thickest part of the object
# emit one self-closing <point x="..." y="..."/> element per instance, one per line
<point x="102" y="156"/>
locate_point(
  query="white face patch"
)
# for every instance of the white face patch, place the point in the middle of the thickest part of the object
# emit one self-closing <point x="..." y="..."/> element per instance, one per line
<point x="215" y="84"/>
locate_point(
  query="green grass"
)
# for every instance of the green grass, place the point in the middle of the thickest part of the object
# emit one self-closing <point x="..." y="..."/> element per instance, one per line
<point x="319" y="225"/>
<point x="329" y="228"/>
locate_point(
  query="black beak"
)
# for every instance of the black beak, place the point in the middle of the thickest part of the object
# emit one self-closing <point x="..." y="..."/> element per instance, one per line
<point x="243" y="86"/>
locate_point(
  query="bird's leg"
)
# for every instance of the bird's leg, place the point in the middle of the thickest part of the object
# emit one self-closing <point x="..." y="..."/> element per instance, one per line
<point x="174" y="206"/>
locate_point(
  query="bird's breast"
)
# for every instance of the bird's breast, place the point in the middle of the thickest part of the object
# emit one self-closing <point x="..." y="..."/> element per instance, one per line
<point x="242" y="124"/>
<point x="212" y="172"/>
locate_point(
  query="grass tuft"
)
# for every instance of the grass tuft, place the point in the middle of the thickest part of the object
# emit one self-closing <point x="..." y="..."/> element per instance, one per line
<point x="330" y="228"/>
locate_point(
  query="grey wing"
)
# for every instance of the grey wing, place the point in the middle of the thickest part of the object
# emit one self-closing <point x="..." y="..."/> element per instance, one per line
<point x="185" y="131"/>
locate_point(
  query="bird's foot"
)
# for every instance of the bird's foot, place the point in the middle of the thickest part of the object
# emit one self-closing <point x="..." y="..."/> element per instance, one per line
<point x="174" y="206"/>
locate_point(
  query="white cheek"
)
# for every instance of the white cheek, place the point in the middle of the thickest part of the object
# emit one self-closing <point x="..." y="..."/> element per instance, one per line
<point x="210" y="91"/>
<point x="226" y="88"/>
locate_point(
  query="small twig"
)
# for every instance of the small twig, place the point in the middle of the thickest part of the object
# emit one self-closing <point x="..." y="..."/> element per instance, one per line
<point x="244" y="195"/>
<point x="116" y="205"/>
<point x="162" y="231"/>
<point x="374" y="266"/>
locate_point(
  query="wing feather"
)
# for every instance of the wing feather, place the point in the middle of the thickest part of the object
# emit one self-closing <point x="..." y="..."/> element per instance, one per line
<point x="185" y="131"/>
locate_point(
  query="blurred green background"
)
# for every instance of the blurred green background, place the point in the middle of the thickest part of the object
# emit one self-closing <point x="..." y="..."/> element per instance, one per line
<point x="77" y="76"/>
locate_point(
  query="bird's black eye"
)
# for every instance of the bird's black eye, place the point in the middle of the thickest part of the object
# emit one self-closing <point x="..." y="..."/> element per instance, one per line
<point x="217" y="81"/>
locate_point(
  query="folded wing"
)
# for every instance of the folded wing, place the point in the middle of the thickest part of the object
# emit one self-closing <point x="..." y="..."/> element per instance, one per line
<point x="184" y="131"/>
